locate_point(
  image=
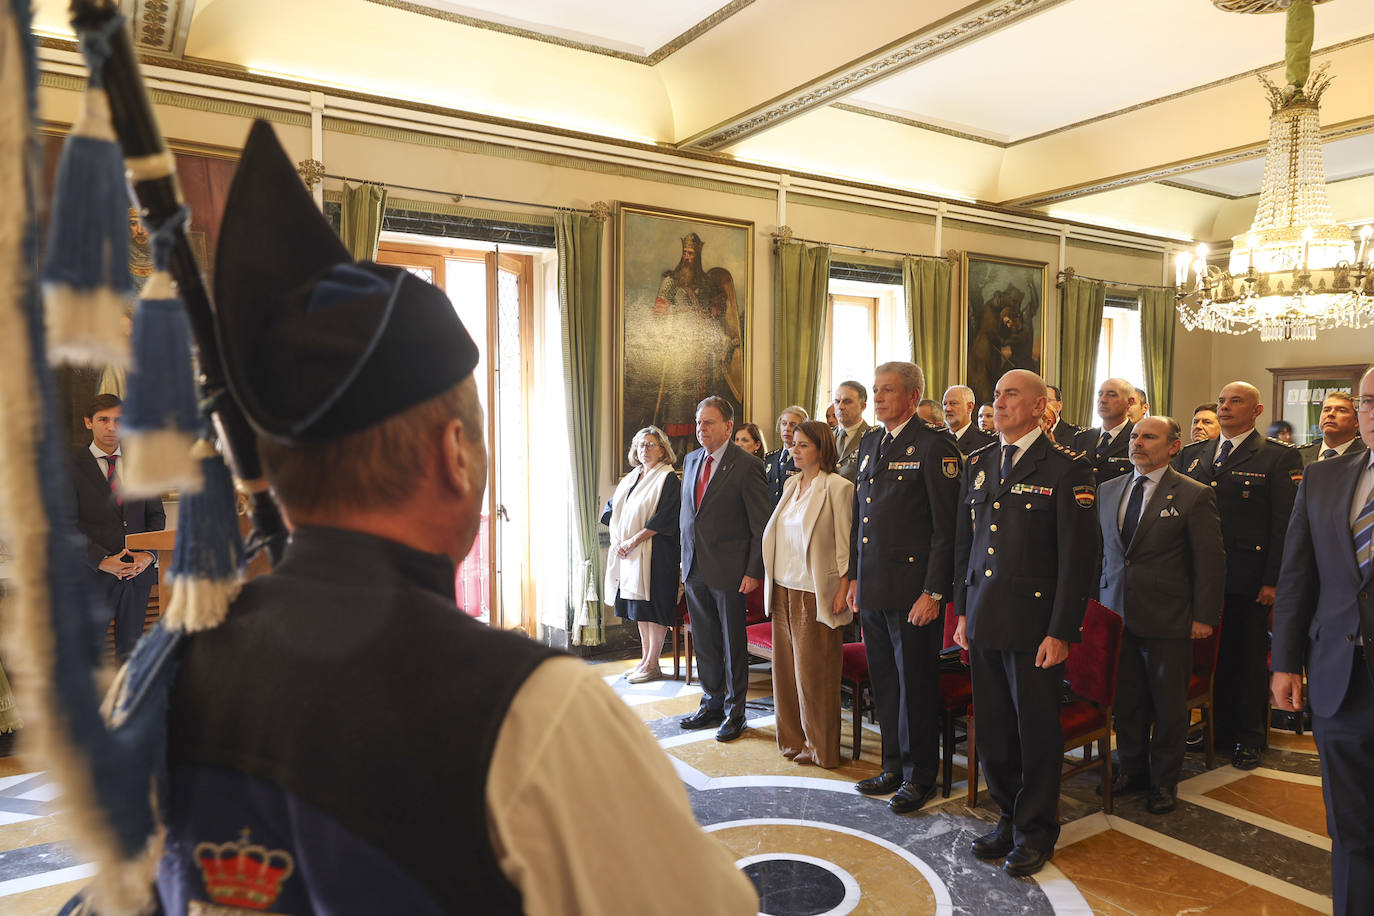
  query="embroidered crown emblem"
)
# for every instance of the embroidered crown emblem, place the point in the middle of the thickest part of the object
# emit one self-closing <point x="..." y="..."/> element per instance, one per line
<point x="243" y="874"/>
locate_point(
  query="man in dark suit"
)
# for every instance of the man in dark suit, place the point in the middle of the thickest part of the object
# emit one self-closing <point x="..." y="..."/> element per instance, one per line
<point x="901" y="555"/>
<point x="1340" y="430"/>
<point x="1323" y="619"/>
<point x="724" y="511"/>
<point x="778" y="464"/>
<point x="123" y="578"/>
<point x="1162" y="571"/>
<point x="850" y="400"/>
<point x="1026" y="535"/>
<point x="1255" y="480"/>
<point x="1107" y="446"/>
<point x="1063" y="431"/>
<point x="959" y="404"/>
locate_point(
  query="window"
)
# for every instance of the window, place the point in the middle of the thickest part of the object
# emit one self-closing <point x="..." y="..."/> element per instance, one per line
<point x="1118" y="351"/>
<point x="866" y="326"/>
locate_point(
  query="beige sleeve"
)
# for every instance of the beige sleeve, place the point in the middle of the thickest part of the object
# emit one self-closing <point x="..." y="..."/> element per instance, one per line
<point x="587" y="815"/>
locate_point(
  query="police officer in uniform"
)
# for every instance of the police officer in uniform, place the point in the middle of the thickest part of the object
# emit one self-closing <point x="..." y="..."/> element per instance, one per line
<point x="900" y="571"/>
<point x="1108" y="446"/>
<point x="1027" y="521"/>
<point x="1255" y="480"/>
<point x="778" y="464"/>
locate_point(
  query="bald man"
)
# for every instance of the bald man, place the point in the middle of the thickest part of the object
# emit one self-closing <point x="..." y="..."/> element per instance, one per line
<point x="959" y="403"/>
<point x="1255" y="480"/>
<point x="1108" y="446"/>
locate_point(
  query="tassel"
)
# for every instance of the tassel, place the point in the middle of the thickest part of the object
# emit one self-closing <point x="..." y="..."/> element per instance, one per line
<point x="209" y="551"/>
<point x="160" y="415"/>
<point x="86" y="282"/>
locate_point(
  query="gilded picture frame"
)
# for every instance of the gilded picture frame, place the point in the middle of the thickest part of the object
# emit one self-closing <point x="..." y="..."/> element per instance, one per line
<point x="1002" y="319"/>
<point x="683" y="301"/>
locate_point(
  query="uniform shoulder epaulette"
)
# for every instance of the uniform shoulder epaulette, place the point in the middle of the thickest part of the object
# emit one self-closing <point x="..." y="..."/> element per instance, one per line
<point x="1066" y="451"/>
<point x="934" y="427"/>
<point x="985" y="448"/>
<point x="768" y="456"/>
<point x="1194" y="445"/>
<point x="1280" y="442"/>
<point x="871" y="431"/>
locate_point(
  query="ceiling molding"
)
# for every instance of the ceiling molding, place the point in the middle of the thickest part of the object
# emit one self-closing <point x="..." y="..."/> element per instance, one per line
<point x="1340" y="46"/>
<point x="1196" y="190"/>
<point x="971" y="23"/>
<point x="919" y="125"/>
<point x="159" y="27"/>
<point x="1146" y="176"/>
<point x="654" y="57"/>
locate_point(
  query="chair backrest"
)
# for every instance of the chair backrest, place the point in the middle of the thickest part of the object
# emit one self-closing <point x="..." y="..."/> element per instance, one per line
<point x="1205" y="654"/>
<point x="753" y="606"/>
<point x="1092" y="664"/>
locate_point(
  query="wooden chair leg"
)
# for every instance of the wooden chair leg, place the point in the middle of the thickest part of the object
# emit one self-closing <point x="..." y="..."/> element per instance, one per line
<point x="1104" y="748"/>
<point x="677" y="659"/>
<point x="689" y="657"/>
<point x="972" y="764"/>
<point x="1209" y="740"/>
<point x="947" y="720"/>
<point x="858" y="719"/>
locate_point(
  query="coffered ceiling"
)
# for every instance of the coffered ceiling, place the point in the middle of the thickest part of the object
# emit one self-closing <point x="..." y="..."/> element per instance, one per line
<point x="1133" y="113"/>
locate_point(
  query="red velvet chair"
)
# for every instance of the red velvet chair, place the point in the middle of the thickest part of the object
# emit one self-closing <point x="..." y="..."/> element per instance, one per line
<point x="956" y="693"/>
<point x="1091" y="671"/>
<point x="1200" y="689"/>
<point x="753" y="616"/>
<point x="854" y="681"/>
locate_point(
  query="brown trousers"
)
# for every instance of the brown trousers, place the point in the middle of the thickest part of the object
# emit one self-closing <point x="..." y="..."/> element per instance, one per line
<point x="806" y="680"/>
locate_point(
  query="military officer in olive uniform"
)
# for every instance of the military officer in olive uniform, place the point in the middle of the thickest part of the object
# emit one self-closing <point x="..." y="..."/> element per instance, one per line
<point x="1108" y="446"/>
<point x="900" y="572"/>
<point x="1027" y="524"/>
<point x="1255" y="480"/>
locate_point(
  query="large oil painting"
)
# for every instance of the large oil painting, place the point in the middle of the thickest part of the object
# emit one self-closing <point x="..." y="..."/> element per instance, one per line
<point x="683" y="288"/>
<point x="1003" y="319"/>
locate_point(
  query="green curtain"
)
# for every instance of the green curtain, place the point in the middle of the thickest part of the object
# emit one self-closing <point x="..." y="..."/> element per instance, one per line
<point x="1157" y="310"/>
<point x="1080" y="327"/>
<point x="579" y="298"/>
<point x="360" y="223"/>
<point x="801" y="302"/>
<point x="925" y="281"/>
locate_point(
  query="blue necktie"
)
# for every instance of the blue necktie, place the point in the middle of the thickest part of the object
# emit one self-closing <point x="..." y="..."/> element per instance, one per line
<point x="1103" y="443"/>
<point x="1133" y="507"/>
<point x="1008" y="452"/>
<point x="1222" y="454"/>
<point x="882" y="446"/>
<point x="1329" y="453"/>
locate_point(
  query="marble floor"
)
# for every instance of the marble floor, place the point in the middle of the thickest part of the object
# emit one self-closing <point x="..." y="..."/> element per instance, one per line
<point x="1239" y="843"/>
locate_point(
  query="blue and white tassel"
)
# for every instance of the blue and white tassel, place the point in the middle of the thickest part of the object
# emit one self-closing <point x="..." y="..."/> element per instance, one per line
<point x="209" y="549"/>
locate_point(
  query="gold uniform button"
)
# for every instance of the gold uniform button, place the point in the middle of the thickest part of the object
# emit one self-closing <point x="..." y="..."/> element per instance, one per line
<point x="911" y="559"/>
<point x="996" y="505"/>
<point x="1214" y="483"/>
<point x="865" y="540"/>
<point x="865" y="519"/>
<point x="987" y="572"/>
<point x="1037" y="594"/>
<point x="992" y="527"/>
<point x="1028" y="505"/>
<point x="989" y="551"/>
<point x="1258" y="547"/>
<point x="899" y="476"/>
<point x="868" y="499"/>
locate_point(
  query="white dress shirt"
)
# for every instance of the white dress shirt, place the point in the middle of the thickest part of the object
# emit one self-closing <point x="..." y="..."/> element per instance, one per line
<point x="1021" y="445"/>
<point x="790" y="553"/>
<point x="105" y="459"/>
<point x="1340" y="450"/>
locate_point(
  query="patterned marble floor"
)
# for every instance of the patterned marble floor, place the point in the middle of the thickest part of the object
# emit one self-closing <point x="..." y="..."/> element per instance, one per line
<point x="1239" y="843"/>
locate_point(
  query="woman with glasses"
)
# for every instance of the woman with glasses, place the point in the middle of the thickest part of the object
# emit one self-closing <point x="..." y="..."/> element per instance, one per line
<point x="642" y="563"/>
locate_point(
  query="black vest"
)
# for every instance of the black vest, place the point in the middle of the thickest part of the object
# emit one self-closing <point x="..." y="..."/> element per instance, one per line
<point x="349" y="680"/>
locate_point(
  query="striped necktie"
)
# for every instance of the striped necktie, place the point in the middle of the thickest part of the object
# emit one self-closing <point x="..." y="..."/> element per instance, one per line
<point x="1362" y="530"/>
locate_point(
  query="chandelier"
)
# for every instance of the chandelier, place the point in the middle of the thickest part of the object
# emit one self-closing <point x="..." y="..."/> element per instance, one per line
<point x="1296" y="271"/>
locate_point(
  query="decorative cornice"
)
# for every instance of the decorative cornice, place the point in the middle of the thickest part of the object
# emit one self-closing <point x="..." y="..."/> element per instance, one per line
<point x="1255" y="6"/>
<point x="1240" y="154"/>
<point x="653" y="57"/>
<point x="971" y="23"/>
<point x="919" y="125"/>
<point x="1197" y="190"/>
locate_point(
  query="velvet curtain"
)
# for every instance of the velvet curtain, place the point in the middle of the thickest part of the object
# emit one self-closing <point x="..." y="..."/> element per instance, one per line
<point x="1080" y="323"/>
<point x="1157" y="311"/>
<point x="801" y="305"/>
<point x="578" y="240"/>
<point x="360" y="223"/>
<point x="926" y="283"/>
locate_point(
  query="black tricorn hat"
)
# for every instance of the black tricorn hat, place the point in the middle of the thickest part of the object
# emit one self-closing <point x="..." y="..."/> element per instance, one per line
<point x="316" y="345"/>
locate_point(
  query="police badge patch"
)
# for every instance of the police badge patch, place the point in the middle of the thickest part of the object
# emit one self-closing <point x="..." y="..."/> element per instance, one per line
<point x="911" y="449"/>
<point x="1296" y="474"/>
<point x="1086" y="497"/>
<point x="949" y="467"/>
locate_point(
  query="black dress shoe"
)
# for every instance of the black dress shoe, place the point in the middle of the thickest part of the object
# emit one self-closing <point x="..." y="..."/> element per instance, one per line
<point x="881" y="784"/>
<point x="1161" y="801"/>
<point x="731" y="729"/>
<point x="910" y="797"/>
<point x="993" y="845"/>
<point x="1245" y="757"/>
<point x="1023" y="861"/>
<point x="1127" y="785"/>
<point x="702" y="718"/>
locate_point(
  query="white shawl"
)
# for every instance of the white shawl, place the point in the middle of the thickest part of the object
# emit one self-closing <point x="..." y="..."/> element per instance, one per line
<point x="630" y="512"/>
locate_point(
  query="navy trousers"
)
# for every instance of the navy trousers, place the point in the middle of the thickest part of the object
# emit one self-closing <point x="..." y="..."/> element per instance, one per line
<point x="904" y="667"/>
<point x="1345" y="742"/>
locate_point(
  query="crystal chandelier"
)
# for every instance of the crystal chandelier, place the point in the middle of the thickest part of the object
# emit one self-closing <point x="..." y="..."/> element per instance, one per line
<point x="1296" y="271"/>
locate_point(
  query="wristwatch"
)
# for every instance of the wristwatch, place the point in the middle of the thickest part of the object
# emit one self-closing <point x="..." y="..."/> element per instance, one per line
<point x="936" y="595"/>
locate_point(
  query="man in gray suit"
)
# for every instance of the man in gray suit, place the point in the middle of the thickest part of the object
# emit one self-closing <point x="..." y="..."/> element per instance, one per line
<point x="1164" y="572"/>
<point x="725" y="507"/>
<point x="851" y="399"/>
<point x="1340" y="430"/>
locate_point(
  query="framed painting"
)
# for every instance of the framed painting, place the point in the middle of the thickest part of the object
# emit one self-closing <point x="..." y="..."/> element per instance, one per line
<point x="1002" y="321"/>
<point x="683" y="290"/>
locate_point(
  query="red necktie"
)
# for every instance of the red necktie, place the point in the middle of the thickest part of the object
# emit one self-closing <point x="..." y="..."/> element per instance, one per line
<point x="110" y="477"/>
<point x="703" y="480"/>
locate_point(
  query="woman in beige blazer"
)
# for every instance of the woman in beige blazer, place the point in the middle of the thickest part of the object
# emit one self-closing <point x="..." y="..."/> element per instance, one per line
<point x="806" y="561"/>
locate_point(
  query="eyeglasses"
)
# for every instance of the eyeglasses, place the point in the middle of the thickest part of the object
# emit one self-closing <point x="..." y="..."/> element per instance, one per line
<point x="1365" y="403"/>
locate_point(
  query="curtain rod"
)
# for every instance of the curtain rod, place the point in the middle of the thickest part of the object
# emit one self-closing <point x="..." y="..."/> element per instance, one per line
<point x="598" y="212"/>
<point x="789" y="237"/>
<point x="1068" y="273"/>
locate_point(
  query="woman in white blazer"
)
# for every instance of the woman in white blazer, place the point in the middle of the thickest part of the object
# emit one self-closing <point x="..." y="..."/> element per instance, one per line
<point x="806" y="561"/>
